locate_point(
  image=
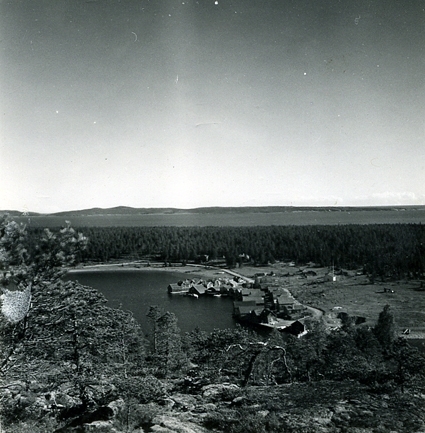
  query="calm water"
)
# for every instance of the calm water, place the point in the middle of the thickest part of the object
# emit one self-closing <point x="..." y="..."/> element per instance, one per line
<point x="294" y="217"/>
<point x="137" y="290"/>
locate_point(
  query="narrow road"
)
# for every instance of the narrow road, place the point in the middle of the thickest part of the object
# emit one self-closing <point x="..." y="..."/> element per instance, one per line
<point x="317" y="314"/>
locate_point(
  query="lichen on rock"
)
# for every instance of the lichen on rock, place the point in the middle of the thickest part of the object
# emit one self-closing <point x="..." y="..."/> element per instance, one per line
<point x="15" y="304"/>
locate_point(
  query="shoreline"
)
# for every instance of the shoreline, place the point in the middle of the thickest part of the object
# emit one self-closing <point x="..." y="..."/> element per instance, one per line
<point x="198" y="271"/>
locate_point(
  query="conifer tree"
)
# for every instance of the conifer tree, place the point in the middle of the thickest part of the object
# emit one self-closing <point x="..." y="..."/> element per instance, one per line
<point x="385" y="329"/>
<point x="167" y="353"/>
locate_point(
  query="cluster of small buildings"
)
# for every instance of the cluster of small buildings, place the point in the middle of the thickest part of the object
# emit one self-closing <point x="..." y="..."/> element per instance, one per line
<point x="218" y="287"/>
<point x="268" y="308"/>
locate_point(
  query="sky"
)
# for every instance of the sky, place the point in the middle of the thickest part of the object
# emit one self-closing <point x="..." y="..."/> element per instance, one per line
<point x="185" y="103"/>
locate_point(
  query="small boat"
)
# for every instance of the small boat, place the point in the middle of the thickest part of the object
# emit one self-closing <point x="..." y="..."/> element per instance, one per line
<point x="192" y="295"/>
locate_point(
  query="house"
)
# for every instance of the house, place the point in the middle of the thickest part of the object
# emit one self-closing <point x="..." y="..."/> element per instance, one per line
<point x="212" y="291"/>
<point x="249" y="314"/>
<point x="297" y="308"/>
<point x="253" y="295"/>
<point x="292" y="327"/>
<point x="197" y="289"/>
<point x="296" y="328"/>
<point x="214" y="284"/>
<point x="284" y="299"/>
<point x="330" y="277"/>
<point x="345" y="318"/>
<point x="242" y="309"/>
<point x="178" y="288"/>
<point x="267" y="319"/>
<point x="225" y="289"/>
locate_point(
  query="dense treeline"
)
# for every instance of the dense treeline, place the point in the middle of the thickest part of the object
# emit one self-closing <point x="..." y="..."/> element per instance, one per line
<point x="391" y="250"/>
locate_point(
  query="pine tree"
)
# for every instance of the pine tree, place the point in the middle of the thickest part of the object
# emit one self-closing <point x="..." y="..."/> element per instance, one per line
<point x="170" y="355"/>
<point x="385" y="329"/>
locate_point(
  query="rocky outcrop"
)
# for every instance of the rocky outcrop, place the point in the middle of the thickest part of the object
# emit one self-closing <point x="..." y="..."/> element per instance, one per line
<point x="322" y="407"/>
<point x="220" y="391"/>
<point x="172" y="424"/>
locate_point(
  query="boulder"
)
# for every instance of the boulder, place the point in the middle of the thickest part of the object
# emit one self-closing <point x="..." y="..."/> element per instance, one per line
<point x="117" y="406"/>
<point x="99" y="427"/>
<point x="226" y="391"/>
<point x="238" y="401"/>
<point x="169" y="424"/>
<point x="26" y="399"/>
<point x="93" y="427"/>
<point x="207" y="407"/>
<point x="61" y="399"/>
<point x="167" y="402"/>
<point x="184" y="401"/>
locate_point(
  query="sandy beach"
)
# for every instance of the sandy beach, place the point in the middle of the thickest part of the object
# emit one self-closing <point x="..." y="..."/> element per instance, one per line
<point x="192" y="270"/>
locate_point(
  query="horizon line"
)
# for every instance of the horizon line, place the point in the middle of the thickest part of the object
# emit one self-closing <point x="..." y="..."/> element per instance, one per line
<point x="28" y="212"/>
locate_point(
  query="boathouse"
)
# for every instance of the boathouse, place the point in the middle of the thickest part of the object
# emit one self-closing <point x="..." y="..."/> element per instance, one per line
<point x="197" y="289"/>
<point x="178" y="288"/>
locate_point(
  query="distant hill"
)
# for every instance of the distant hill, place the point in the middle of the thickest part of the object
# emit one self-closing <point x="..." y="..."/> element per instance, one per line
<point x="126" y="210"/>
<point x="16" y="213"/>
<point x="118" y="210"/>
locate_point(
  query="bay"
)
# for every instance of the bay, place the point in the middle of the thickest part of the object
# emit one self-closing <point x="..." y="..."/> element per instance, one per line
<point x="293" y="216"/>
<point x="137" y="290"/>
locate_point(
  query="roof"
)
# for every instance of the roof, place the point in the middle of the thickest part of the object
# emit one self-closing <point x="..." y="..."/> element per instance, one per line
<point x="174" y="287"/>
<point x="257" y="299"/>
<point x="246" y="292"/>
<point x="242" y="310"/>
<point x="198" y="288"/>
<point x="251" y="303"/>
<point x="284" y="298"/>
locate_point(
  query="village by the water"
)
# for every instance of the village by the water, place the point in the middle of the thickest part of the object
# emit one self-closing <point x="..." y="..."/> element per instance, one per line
<point x="259" y="301"/>
<point x="288" y="297"/>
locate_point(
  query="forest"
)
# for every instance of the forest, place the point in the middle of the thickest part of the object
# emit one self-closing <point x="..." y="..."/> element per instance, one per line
<point x="385" y="250"/>
<point x="69" y="363"/>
